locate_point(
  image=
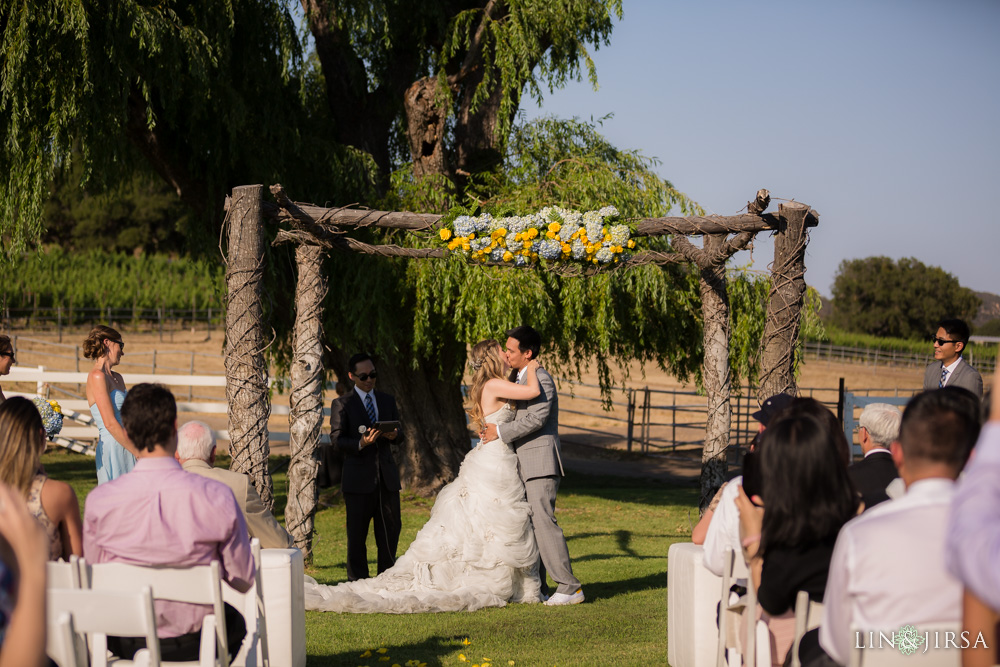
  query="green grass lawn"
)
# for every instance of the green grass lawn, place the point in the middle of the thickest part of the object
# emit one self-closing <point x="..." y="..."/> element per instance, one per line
<point x="618" y="531"/>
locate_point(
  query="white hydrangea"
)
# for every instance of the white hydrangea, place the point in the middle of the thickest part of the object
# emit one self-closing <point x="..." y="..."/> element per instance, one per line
<point x="619" y="234"/>
<point x="604" y="255"/>
<point x="578" y="249"/>
<point x="549" y="249"/>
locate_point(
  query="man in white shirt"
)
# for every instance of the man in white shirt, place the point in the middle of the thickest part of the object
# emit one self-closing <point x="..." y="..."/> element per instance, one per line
<point x="949" y="368"/>
<point x="888" y="566"/>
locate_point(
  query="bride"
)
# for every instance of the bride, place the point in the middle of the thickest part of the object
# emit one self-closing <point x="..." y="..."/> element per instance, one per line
<point x="477" y="549"/>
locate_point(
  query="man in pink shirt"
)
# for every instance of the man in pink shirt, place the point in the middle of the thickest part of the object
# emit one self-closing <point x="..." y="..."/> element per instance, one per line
<point x="160" y="515"/>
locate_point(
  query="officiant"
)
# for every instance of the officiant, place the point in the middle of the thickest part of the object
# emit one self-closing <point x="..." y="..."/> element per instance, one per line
<point x="362" y="429"/>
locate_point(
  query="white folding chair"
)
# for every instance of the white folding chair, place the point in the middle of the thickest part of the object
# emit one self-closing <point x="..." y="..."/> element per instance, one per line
<point x="253" y="651"/>
<point x="101" y="613"/>
<point x="200" y="584"/>
<point x="808" y="615"/>
<point x="63" y="574"/>
<point x="60" y="641"/>
<point x="734" y="568"/>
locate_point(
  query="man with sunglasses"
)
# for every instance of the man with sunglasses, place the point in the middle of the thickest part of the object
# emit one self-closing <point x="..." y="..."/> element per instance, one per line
<point x="370" y="481"/>
<point x="949" y="369"/>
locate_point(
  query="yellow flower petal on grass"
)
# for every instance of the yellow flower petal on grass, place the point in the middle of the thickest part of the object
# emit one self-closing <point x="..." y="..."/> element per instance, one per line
<point x="466" y="642"/>
<point x="510" y="662"/>
<point x="462" y="658"/>
<point x="366" y="654"/>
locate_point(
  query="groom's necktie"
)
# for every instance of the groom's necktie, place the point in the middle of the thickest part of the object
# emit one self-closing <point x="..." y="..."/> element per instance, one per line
<point x="944" y="376"/>
<point x="370" y="408"/>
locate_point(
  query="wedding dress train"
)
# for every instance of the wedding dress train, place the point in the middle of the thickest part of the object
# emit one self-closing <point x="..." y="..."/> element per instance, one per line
<point x="476" y="550"/>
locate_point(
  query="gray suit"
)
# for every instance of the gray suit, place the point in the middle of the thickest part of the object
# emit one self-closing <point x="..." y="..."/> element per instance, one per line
<point x="964" y="376"/>
<point x="260" y="522"/>
<point x="534" y="435"/>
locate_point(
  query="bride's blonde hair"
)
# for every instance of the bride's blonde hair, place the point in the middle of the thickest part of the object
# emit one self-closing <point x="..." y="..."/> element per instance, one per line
<point x="486" y="363"/>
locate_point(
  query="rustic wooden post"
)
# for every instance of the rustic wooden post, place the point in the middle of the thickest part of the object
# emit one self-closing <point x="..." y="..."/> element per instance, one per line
<point x="306" y="416"/>
<point x="716" y="371"/>
<point x="784" y="307"/>
<point x="246" y="368"/>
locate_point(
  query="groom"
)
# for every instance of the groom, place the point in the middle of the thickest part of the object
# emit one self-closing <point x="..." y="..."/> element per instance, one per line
<point x="534" y="435"/>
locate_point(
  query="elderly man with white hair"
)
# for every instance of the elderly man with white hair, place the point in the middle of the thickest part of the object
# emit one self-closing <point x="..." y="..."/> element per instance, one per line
<point x="878" y="429"/>
<point x="196" y="454"/>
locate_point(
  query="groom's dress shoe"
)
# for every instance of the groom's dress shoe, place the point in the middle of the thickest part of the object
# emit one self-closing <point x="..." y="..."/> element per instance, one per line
<point x="560" y="599"/>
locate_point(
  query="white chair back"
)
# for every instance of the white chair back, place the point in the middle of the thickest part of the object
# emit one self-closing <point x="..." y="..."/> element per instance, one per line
<point x="734" y="568"/>
<point x="63" y="574"/>
<point x="60" y="641"/>
<point x="200" y="584"/>
<point x="253" y="651"/>
<point x="102" y="613"/>
<point x="808" y="615"/>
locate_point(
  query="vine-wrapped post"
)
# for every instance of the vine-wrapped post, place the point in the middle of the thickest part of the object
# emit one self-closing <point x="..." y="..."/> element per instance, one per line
<point x="246" y="367"/>
<point x="306" y="416"/>
<point x="716" y="372"/>
<point x="784" y="306"/>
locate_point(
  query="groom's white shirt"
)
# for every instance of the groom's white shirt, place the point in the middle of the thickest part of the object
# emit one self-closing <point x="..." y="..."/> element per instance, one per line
<point x="520" y="380"/>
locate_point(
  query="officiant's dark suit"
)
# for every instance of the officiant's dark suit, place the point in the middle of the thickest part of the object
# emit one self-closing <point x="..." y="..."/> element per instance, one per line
<point x="370" y="481"/>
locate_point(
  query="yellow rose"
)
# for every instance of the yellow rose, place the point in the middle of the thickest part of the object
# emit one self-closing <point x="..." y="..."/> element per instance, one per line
<point x="554" y="227"/>
<point x="445" y="234"/>
<point x="471" y="236"/>
<point x="508" y="256"/>
<point x="466" y="247"/>
<point x="519" y="236"/>
<point x="566" y="247"/>
<point x="607" y="237"/>
<point x="532" y="233"/>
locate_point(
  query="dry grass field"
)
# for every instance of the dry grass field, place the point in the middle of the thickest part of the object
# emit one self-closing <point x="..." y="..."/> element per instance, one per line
<point x="583" y="420"/>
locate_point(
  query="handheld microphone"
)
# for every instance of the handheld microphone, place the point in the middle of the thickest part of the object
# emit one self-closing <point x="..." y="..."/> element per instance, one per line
<point x="362" y="429"/>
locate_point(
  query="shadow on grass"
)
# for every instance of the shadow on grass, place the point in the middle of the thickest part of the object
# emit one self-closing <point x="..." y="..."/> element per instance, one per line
<point x="606" y="590"/>
<point x="397" y="654"/>
<point x="626" y="489"/>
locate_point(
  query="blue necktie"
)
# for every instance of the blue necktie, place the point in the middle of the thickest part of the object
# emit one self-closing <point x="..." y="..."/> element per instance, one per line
<point x="370" y="408"/>
<point x="944" y="376"/>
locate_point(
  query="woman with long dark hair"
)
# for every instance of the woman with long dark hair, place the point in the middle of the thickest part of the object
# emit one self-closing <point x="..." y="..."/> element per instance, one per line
<point x="789" y="530"/>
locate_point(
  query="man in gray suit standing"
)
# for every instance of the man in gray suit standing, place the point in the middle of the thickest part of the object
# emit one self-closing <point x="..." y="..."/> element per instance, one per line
<point x="534" y="436"/>
<point x="949" y="368"/>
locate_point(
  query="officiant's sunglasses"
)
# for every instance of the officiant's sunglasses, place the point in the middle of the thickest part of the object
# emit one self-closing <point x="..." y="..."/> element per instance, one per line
<point x="943" y="341"/>
<point x="365" y="376"/>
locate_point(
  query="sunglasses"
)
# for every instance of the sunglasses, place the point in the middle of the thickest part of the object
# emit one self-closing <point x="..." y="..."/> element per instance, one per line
<point x="943" y="341"/>
<point x="365" y="376"/>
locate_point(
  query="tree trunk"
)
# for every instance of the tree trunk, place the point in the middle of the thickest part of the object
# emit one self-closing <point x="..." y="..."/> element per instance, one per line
<point x="246" y="368"/>
<point x="716" y="374"/>
<point x="425" y="128"/>
<point x="436" y="438"/>
<point x="784" y="307"/>
<point x="306" y="401"/>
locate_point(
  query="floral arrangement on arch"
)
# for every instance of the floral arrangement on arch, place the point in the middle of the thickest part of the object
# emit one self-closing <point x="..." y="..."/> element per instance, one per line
<point x="51" y="413"/>
<point x="553" y="234"/>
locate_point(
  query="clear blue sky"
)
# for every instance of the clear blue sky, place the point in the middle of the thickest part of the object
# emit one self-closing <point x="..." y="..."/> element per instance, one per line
<point x="880" y="114"/>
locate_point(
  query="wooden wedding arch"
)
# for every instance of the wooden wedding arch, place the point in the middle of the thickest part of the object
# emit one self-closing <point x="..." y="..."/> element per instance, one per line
<point x="315" y="229"/>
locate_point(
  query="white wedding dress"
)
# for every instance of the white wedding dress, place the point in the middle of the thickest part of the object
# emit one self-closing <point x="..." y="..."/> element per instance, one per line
<point x="477" y="549"/>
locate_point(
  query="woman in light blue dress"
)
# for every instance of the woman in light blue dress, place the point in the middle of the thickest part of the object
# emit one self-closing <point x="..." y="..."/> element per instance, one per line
<point x="105" y="394"/>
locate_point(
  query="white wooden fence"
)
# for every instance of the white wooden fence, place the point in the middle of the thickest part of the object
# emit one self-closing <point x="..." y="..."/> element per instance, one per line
<point x="78" y="411"/>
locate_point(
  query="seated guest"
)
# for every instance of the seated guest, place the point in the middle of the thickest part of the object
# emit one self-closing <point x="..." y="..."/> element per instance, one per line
<point x="972" y="548"/>
<point x="53" y="503"/>
<point x="789" y="530"/>
<point x="879" y="428"/>
<point x="725" y="532"/>
<point x="888" y="568"/>
<point x="160" y="515"/>
<point x="196" y="453"/>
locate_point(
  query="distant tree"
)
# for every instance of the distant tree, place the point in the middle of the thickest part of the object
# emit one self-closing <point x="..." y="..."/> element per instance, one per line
<point x="902" y="299"/>
<point x="990" y="328"/>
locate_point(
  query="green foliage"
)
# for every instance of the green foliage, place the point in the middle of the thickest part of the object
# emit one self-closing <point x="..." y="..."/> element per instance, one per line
<point x="990" y="328"/>
<point x="568" y="162"/>
<point x="901" y="299"/>
<point x="97" y="279"/>
<point x="842" y="338"/>
<point x="141" y="214"/>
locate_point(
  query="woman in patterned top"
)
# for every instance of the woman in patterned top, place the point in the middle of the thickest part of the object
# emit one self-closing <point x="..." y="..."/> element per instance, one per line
<point x="53" y="503"/>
